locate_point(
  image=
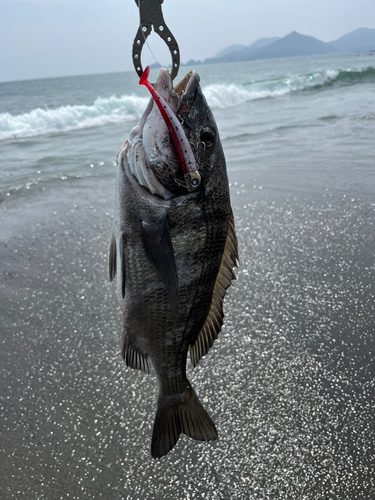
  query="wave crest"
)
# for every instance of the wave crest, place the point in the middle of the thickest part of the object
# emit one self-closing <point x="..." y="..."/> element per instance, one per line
<point x="130" y="107"/>
<point x="224" y="96"/>
<point x="44" y="121"/>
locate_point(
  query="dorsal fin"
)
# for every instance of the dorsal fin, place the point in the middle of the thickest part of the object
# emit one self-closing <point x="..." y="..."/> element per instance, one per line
<point x="215" y="315"/>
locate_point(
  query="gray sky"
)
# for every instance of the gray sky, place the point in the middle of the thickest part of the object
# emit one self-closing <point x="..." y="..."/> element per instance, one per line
<point x="46" y="38"/>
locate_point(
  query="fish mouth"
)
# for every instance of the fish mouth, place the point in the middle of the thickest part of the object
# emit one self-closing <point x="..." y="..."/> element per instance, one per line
<point x="151" y="155"/>
<point x="187" y="87"/>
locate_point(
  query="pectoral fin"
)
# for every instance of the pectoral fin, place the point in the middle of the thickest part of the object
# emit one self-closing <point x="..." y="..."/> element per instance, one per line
<point x="159" y="249"/>
<point x="123" y="263"/>
<point x="112" y="259"/>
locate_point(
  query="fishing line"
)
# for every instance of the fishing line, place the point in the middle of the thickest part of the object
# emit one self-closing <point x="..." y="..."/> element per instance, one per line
<point x="145" y="39"/>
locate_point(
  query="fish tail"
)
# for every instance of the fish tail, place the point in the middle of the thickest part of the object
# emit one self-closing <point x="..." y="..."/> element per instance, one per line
<point x="180" y="413"/>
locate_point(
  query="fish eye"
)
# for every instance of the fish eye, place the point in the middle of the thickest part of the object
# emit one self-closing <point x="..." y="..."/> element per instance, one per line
<point x="208" y="136"/>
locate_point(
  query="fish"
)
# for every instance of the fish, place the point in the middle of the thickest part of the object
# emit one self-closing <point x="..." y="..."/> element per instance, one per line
<point x="173" y="250"/>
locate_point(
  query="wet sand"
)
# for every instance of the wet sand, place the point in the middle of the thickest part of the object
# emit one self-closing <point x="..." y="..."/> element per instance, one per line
<point x="289" y="383"/>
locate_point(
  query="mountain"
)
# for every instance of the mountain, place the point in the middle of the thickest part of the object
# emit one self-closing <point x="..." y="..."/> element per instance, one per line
<point x="294" y="44"/>
<point x="360" y="40"/>
<point x="262" y="42"/>
<point x="230" y="50"/>
<point x="291" y="45"/>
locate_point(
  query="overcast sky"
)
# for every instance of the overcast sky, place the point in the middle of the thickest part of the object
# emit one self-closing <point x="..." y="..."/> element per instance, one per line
<point x="47" y="38"/>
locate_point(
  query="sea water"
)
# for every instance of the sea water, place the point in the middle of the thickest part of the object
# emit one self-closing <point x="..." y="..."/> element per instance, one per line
<point x="290" y="380"/>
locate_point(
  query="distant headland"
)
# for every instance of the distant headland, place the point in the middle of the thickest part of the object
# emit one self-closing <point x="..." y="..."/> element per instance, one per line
<point x="293" y="45"/>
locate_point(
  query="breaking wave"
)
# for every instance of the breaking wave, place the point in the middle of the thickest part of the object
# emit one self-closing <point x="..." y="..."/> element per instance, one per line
<point x="130" y="107"/>
<point x="223" y="96"/>
<point x="44" y="121"/>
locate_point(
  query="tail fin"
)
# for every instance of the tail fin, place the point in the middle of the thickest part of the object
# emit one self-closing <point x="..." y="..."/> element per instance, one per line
<point x="176" y="414"/>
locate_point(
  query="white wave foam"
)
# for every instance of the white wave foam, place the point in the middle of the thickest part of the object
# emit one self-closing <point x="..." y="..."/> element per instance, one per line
<point x="44" y="121"/>
<point x="224" y="96"/>
<point x="130" y="107"/>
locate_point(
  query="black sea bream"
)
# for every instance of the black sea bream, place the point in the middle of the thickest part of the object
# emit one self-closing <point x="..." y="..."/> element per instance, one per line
<point x="173" y="248"/>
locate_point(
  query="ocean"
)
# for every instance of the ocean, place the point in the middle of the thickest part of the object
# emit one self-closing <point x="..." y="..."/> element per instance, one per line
<point x="290" y="382"/>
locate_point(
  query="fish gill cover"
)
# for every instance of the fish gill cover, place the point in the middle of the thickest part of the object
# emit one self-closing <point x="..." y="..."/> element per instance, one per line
<point x="114" y="109"/>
